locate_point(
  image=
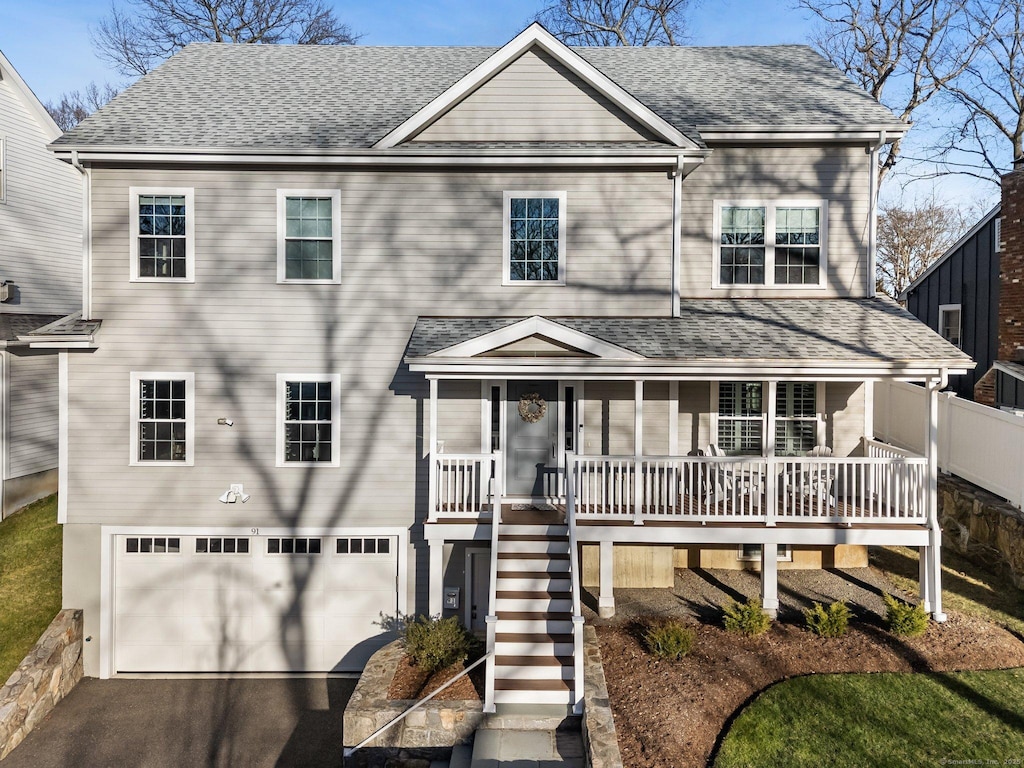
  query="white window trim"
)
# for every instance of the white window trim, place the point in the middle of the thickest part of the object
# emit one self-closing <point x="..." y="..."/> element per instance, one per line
<point x="770" y="207"/>
<point x="769" y="417"/>
<point x="506" y="231"/>
<point x="190" y="417"/>
<point x="3" y="169"/>
<point x="958" y="308"/>
<point x="335" y="195"/>
<point x="335" y="381"/>
<point x="190" y="235"/>
<point x="784" y="554"/>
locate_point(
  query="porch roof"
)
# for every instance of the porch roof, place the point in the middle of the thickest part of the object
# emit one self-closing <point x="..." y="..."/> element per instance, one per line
<point x="870" y="333"/>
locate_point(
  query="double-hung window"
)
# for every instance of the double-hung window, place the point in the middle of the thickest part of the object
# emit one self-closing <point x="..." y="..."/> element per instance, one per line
<point x="308" y="419"/>
<point x="162" y="413"/>
<point x="308" y="236"/>
<point x="796" y="418"/>
<point x="534" y="238"/>
<point x="740" y="417"/>
<point x="771" y="244"/>
<point x="162" y="234"/>
<point x="950" y="316"/>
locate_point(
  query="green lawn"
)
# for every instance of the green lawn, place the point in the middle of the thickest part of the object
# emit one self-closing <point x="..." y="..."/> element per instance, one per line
<point x="882" y="720"/>
<point x="30" y="552"/>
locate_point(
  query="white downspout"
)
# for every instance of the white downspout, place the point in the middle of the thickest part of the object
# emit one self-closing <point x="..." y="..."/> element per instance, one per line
<point x="873" y="214"/>
<point x="676" y="174"/>
<point x="86" y="236"/>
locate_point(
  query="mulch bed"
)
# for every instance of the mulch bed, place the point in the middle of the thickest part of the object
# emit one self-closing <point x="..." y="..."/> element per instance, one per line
<point x="411" y="682"/>
<point x="671" y="714"/>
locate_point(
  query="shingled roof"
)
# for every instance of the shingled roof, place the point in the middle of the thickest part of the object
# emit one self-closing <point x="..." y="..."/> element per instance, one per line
<point x="280" y="97"/>
<point x="839" y="330"/>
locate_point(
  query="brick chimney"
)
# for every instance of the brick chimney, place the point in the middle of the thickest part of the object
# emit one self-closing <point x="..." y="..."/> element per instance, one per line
<point x="1011" y="266"/>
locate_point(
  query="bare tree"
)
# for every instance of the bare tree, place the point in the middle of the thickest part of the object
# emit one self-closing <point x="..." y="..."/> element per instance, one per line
<point x="990" y="93"/>
<point x="140" y="35"/>
<point x="616" y="22"/>
<point x="902" y="52"/>
<point x="911" y="237"/>
<point x="75" y="106"/>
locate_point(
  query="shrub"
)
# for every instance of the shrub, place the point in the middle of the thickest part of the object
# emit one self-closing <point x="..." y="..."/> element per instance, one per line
<point x="904" y="619"/>
<point x="828" y="622"/>
<point x="747" y="618"/>
<point x="434" y="643"/>
<point x="669" y="639"/>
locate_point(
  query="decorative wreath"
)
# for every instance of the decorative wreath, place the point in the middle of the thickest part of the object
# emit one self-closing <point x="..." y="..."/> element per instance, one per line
<point x="532" y="407"/>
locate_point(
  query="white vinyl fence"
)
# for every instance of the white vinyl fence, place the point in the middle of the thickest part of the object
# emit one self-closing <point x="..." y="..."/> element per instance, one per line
<point x="983" y="445"/>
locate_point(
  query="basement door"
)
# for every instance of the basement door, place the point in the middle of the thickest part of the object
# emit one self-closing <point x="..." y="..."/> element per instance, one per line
<point x="251" y="603"/>
<point x="532" y="424"/>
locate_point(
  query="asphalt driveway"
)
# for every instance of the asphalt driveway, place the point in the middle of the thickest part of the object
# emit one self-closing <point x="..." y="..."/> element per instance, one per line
<point x="154" y="723"/>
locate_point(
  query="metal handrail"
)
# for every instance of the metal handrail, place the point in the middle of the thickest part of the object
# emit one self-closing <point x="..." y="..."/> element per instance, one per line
<point x="491" y="619"/>
<point x="574" y="574"/>
<point x="349" y="751"/>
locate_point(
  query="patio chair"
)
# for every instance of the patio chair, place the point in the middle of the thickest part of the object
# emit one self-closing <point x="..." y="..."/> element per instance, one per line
<point x="722" y="481"/>
<point x="814" y="483"/>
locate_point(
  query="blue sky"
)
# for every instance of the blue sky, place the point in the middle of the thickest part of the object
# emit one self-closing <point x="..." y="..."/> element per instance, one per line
<point x="48" y="42"/>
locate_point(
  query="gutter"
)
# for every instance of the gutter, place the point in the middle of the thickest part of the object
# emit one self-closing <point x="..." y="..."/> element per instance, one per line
<point x="872" y="255"/>
<point x="86" y="235"/>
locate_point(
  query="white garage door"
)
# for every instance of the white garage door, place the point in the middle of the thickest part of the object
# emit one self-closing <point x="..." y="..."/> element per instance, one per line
<point x="251" y="603"/>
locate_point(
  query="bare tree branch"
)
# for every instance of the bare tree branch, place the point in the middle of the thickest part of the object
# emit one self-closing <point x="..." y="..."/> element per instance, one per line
<point x="137" y="37"/>
<point x="616" y="22"/>
<point x="75" y="106"/>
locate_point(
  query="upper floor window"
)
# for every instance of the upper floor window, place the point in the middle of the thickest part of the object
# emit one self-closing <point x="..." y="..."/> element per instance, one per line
<point x="308" y="419"/>
<point x="534" y="238"/>
<point x="162" y="240"/>
<point x="771" y="244"/>
<point x="950" y="323"/>
<point x="162" y="418"/>
<point x="308" y="239"/>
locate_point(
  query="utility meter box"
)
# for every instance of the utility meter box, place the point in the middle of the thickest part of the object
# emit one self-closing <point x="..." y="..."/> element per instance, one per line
<point x="451" y="598"/>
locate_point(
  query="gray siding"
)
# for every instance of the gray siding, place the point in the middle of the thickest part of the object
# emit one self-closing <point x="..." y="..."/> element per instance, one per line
<point x="40" y="216"/>
<point x="836" y="174"/>
<point x="32" y="412"/>
<point x="1009" y="391"/>
<point x="969" y="276"/>
<point x="844" y="417"/>
<point x="535" y="98"/>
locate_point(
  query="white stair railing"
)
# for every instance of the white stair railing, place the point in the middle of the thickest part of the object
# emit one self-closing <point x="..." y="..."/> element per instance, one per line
<point x="491" y="620"/>
<point x="574" y="573"/>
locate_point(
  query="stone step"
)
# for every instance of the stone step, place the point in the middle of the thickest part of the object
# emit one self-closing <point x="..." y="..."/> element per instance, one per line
<point x="493" y="748"/>
<point x="462" y="756"/>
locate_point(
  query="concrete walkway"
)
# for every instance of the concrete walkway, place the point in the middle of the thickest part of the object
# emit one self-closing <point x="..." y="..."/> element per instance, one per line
<point x="507" y="748"/>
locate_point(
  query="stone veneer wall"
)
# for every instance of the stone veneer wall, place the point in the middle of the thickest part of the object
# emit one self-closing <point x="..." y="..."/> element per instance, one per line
<point x="427" y="734"/>
<point x="982" y="526"/>
<point x="52" y="668"/>
<point x="600" y="744"/>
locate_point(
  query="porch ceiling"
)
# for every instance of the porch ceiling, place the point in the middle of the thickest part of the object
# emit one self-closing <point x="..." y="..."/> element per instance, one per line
<point x="809" y="336"/>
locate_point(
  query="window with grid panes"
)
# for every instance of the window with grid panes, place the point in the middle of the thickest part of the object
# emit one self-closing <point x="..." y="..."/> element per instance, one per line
<point x="308" y="428"/>
<point x="796" y="418"/>
<point x="771" y="244"/>
<point x="309" y="238"/>
<point x="742" y="254"/>
<point x="534" y="225"/>
<point x="162" y="236"/>
<point x="162" y="420"/>
<point x="740" y="422"/>
<point x="797" y="246"/>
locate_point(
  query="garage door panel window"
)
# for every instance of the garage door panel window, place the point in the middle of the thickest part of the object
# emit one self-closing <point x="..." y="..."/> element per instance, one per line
<point x="215" y="545"/>
<point x="363" y="546"/>
<point x="152" y="545"/>
<point x="162" y="418"/>
<point x="308" y="416"/>
<point x="293" y="546"/>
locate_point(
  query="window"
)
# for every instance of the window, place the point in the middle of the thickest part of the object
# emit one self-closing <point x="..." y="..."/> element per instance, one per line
<point x="293" y="546"/>
<point x="534" y="238"/>
<point x="753" y="552"/>
<point x="997" y="235"/>
<point x="152" y="545"/>
<point x="949" y="323"/>
<point x="308" y="236"/>
<point x="770" y="244"/>
<point x="364" y="546"/>
<point x="308" y="416"/>
<point x="216" y="545"/>
<point x="162" y="418"/>
<point x="162" y="241"/>
<point x="796" y="418"/>
<point x="740" y="421"/>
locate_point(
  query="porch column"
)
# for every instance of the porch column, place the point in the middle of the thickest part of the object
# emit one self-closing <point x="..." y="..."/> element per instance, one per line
<point x="435" y="585"/>
<point x="432" y="455"/>
<point x="638" y="451"/>
<point x="770" y="579"/>
<point x="933" y="552"/>
<point x="606" y="597"/>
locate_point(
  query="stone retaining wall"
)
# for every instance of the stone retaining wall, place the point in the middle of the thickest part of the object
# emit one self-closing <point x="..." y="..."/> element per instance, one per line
<point x="52" y="668"/>
<point x="600" y="744"/>
<point x="427" y="734"/>
<point x="982" y="526"/>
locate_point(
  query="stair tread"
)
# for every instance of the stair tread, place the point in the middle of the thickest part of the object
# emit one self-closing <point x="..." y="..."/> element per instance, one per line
<point x="533" y="661"/>
<point x="553" y="684"/>
<point x="533" y="594"/>
<point x="533" y="555"/>
<point x="532" y="575"/>
<point x="533" y="637"/>
<point x="536" y="615"/>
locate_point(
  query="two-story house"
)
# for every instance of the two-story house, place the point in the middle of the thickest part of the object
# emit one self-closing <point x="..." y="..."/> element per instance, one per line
<point x="40" y="284"/>
<point x="457" y="329"/>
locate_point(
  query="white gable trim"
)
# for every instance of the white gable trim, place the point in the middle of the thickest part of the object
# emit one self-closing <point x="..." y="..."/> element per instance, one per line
<point x="9" y="73"/>
<point x="537" y="326"/>
<point x="534" y="35"/>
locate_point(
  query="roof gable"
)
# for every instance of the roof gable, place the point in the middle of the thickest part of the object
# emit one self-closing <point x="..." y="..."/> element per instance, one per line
<point x="537" y="337"/>
<point x="10" y="75"/>
<point x="535" y="39"/>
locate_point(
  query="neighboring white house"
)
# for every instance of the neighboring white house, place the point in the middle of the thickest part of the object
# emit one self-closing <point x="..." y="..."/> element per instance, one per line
<point x="40" y="283"/>
<point x="356" y="302"/>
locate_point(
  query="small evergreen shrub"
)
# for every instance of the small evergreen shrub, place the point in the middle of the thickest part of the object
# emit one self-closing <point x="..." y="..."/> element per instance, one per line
<point x="828" y="622"/>
<point x="671" y="640"/>
<point x="747" y="618"/>
<point x="904" y="619"/>
<point x="434" y="643"/>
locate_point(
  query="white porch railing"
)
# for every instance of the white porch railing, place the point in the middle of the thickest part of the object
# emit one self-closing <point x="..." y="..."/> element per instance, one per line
<point x="874" y="489"/>
<point x="463" y="485"/>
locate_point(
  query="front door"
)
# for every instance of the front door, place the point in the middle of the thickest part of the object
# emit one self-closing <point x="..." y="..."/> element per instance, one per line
<point x="532" y="468"/>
